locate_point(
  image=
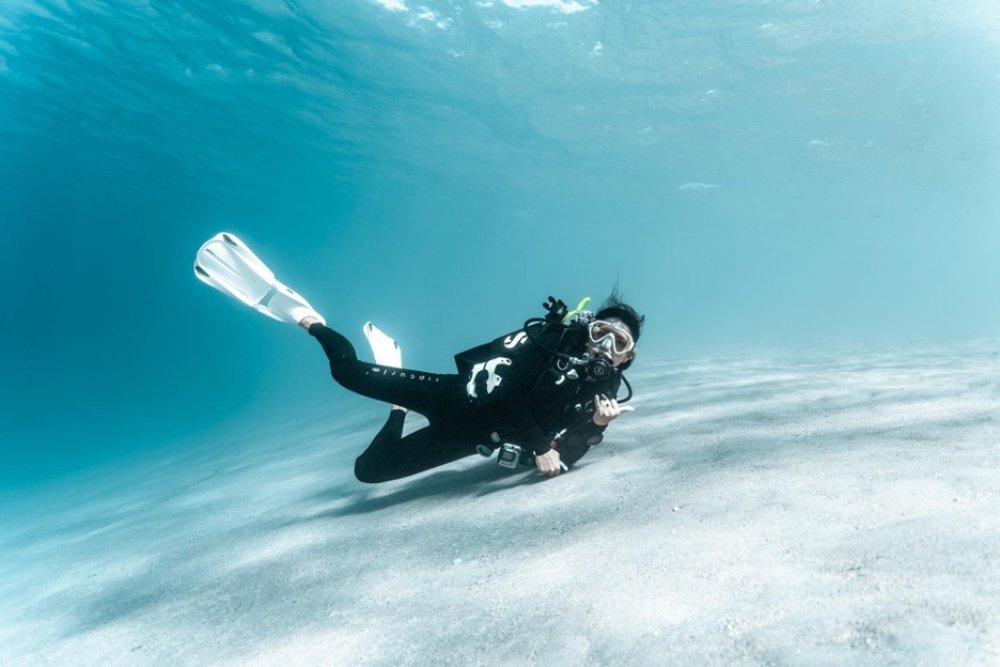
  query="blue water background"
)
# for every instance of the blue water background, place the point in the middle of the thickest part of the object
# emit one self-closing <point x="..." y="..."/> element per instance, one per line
<point x="754" y="174"/>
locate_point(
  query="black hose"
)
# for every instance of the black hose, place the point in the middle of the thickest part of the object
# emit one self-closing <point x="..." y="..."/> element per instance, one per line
<point x="528" y="323"/>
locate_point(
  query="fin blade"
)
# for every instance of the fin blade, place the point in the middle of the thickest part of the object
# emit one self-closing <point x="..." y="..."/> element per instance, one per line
<point x="228" y="265"/>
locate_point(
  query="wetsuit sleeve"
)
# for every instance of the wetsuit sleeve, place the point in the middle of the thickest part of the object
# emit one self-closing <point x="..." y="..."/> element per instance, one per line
<point x="576" y="441"/>
<point x="528" y="430"/>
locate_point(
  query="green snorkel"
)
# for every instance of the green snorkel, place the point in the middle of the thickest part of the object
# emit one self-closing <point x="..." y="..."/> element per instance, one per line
<point x="584" y="302"/>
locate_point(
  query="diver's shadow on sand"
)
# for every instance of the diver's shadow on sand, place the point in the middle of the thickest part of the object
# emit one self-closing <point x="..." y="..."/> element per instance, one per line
<point x="447" y="484"/>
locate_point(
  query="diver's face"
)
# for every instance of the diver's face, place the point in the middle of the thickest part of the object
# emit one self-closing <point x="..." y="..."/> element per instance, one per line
<point x="612" y="339"/>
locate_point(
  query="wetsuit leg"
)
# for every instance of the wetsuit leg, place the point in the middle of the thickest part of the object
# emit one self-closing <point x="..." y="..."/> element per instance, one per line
<point x="431" y="394"/>
<point x="391" y="456"/>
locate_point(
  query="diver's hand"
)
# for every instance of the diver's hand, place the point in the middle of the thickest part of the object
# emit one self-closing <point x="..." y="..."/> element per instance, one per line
<point x="607" y="409"/>
<point x="548" y="463"/>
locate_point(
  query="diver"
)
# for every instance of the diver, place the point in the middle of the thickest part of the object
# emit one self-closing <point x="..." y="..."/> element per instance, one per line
<point x="541" y="395"/>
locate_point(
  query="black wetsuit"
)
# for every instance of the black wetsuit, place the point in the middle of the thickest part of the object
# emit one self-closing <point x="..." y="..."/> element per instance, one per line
<point x="510" y="390"/>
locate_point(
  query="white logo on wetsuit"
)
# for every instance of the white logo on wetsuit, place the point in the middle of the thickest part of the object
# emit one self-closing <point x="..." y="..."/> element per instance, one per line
<point x="513" y="340"/>
<point x="492" y="381"/>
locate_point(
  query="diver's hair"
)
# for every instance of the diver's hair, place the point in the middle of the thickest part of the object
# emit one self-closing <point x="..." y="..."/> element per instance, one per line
<point x="615" y="306"/>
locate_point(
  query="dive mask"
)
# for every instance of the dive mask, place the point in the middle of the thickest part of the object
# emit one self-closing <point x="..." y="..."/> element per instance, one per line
<point x="614" y="339"/>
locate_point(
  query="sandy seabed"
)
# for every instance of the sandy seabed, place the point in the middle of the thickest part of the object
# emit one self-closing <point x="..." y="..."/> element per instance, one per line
<point x="822" y="508"/>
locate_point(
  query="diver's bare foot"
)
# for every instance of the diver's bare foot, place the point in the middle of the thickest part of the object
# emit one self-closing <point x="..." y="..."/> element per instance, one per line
<point x="308" y="321"/>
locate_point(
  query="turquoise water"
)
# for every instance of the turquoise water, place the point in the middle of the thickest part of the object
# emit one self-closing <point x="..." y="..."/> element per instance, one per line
<point x="756" y="174"/>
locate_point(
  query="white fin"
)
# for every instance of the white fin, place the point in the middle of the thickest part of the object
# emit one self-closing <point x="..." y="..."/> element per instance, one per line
<point x="385" y="349"/>
<point x="228" y="265"/>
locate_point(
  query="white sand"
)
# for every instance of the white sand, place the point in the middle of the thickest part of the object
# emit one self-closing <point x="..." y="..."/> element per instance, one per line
<point x="821" y="509"/>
